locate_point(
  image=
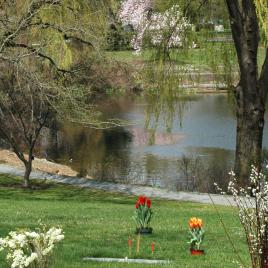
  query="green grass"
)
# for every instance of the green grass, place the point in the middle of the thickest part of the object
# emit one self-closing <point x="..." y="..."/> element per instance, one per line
<point x="203" y="58"/>
<point x="182" y="57"/>
<point x="99" y="224"/>
<point x="199" y="56"/>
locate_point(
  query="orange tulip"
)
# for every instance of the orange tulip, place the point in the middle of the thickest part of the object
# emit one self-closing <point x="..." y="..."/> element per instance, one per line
<point x="199" y="223"/>
<point x="195" y="223"/>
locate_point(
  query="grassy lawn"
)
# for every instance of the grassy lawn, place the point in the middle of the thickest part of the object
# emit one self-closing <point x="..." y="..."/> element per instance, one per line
<point x="197" y="57"/>
<point x="98" y="224"/>
<point x="203" y="58"/>
<point x="179" y="56"/>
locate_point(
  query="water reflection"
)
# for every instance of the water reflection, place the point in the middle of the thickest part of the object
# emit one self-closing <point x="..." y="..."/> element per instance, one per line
<point x="97" y="153"/>
<point x="190" y="152"/>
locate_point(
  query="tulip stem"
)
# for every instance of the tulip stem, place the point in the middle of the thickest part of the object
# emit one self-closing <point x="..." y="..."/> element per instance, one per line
<point x="138" y="243"/>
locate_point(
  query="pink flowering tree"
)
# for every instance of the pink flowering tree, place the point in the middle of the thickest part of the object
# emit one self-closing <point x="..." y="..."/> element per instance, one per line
<point x="164" y="30"/>
<point x="136" y="13"/>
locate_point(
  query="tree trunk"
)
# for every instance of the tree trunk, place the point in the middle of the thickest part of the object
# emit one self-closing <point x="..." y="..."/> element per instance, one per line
<point x="28" y="170"/>
<point x="252" y="88"/>
<point x="250" y="123"/>
<point x="264" y="257"/>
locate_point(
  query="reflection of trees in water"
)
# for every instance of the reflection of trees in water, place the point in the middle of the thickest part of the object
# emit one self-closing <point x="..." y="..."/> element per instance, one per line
<point x="102" y="154"/>
<point x="188" y="173"/>
<point x="105" y="155"/>
<point x="115" y="161"/>
<point x="152" y="170"/>
<point x="142" y="137"/>
<point x="165" y="109"/>
<point x="200" y="174"/>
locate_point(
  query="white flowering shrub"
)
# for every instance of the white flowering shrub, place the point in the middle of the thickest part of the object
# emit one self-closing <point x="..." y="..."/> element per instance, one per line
<point x="165" y="29"/>
<point x="31" y="249"/>
<point x="252" y="204"/>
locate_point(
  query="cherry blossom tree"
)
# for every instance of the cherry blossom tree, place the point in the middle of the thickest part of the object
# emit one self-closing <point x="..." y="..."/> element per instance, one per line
<point x="164" y="29"/>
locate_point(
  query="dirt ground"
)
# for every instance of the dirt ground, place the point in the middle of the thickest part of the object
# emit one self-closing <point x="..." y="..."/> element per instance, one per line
<point x="10" y="158"/>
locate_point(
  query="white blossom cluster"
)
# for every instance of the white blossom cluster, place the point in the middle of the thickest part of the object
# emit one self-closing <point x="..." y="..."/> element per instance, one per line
<point x="30" y="249"/>
<point x="133" y="12"/>
<point x="168" y="26"/>
<point x="253" y="213"/>
<point x="165" y="28"/>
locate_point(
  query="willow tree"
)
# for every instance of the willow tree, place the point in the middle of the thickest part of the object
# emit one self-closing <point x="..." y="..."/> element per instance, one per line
<point x="262" y="13"/>
<point x="40" y="42"/>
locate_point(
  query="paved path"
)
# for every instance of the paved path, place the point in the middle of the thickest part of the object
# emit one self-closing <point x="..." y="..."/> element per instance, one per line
<point x="126" y="260"/>
<point x="122" y="188"/>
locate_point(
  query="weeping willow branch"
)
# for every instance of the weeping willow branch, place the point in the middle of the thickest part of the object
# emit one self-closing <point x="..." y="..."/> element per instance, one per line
<point x="262" y="13"/>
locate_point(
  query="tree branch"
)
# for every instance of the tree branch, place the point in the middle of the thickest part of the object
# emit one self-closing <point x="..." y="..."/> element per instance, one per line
<point x="40" y="54"/>
<point x="186" y="10"/>
<point x="245" y="32"/>
<point x="10" y="140"/>
<point x="235" y="19"/>
<point x="46" y="25"/>
<point x="33" y="9"/>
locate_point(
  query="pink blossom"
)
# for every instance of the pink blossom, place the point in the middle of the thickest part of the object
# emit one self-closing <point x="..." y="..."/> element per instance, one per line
<point x="168" y="26"/>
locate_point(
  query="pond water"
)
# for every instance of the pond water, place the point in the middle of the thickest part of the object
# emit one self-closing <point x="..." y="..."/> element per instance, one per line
<point x="188" y="146"/>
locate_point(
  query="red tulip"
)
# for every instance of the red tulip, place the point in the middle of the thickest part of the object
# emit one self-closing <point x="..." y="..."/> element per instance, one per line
<point x="148" y="203"/>
<point x="142" y="200"/>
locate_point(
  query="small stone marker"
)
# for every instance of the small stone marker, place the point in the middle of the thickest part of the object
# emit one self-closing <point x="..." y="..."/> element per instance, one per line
<point x="126" y="260"/>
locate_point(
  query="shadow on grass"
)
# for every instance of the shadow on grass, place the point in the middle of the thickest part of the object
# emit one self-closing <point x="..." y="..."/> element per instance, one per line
<point x="11" y="187"/>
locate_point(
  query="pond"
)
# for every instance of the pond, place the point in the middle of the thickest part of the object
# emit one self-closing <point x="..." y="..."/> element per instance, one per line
<point x="187" y="147"/>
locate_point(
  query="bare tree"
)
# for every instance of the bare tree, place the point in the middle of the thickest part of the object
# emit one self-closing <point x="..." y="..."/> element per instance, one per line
<point x="25" y="108"/>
